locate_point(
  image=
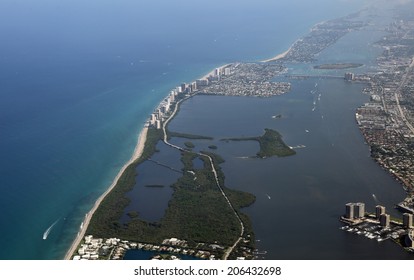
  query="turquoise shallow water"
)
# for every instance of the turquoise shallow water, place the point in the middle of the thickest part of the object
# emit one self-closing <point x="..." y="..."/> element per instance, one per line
<point x="78" y="80"/>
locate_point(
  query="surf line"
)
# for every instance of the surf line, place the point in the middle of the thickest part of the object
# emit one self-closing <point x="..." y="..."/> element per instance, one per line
<point x="49" y="229"/>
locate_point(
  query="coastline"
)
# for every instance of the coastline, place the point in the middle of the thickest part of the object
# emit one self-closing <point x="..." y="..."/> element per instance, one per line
<point x="279" y="56"/>
<point x="137" y="153"/>
<point x="139" y="148"/>
<point x="211" y="73"/>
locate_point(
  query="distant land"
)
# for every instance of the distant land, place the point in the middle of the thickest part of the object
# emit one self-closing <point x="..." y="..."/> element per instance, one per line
<point x="336" y="66"/>
<point x="204" y="215"/>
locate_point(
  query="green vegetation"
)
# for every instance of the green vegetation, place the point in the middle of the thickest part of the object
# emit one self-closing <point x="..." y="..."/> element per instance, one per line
<point x="271" y="144"/>
<point x="107" y="215"/>
<point x="188" y="136"/>
<point x="197" y="211"/>
<point x="189" y="145"/>
<point x="212" y="147"/>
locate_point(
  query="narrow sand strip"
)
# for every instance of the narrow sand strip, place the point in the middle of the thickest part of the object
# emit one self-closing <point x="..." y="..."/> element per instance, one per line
<point x="212" y="73"/>
<point x="139" y="148"/>
<point x="279" y="56"/>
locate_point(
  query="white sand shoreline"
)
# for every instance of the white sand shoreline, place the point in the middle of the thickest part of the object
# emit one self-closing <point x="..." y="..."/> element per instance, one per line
<point x="139" y="148"/>
<point x="281" y="55"/>
<point x="137" y="153"/>
<point x="212" y="72"/>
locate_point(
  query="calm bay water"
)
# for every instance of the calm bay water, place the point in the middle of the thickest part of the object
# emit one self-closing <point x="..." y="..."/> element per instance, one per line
<point x="78" y="80"/>
<point x="307" y="191"/>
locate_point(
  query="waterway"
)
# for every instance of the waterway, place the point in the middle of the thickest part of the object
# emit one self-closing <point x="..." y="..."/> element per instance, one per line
<point x="300" y="198"/>
<point x="79" y="79"/>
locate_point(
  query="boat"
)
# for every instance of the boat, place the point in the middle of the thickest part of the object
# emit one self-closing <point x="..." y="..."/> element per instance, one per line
<point x="49" y="229"/>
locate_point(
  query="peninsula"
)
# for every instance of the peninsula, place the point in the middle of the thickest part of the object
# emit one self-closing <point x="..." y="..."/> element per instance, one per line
<point x="203" y="217"/>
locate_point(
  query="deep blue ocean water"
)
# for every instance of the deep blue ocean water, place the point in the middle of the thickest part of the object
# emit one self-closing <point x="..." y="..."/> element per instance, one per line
<point x="78" y="80"/>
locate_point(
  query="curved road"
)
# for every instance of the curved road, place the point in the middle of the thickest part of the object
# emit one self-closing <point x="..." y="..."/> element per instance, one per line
<point x="165" y="140"/>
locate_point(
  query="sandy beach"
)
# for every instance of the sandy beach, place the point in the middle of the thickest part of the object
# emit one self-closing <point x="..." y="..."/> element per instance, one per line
<point x="139" y="148"/>
<point x="281" y="55"/>
<point x="211" y="73"/>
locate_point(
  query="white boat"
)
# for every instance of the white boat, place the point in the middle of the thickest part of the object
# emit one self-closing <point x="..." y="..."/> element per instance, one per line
<point x="49" y="229"/>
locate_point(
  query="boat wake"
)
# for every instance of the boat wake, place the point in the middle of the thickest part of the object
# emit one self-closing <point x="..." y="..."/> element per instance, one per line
<point x="375" y="199"/>
<point x="49" y="229"/>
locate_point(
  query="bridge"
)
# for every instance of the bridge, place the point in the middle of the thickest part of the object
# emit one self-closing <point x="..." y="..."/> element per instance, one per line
<point x="314" y="76"/>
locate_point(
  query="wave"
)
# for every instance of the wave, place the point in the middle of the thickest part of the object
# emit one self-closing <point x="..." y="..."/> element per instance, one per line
<point x="49" y="229"/>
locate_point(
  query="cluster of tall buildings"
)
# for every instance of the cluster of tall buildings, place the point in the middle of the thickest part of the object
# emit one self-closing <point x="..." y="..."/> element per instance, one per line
<point x="355" y="211"/>
<point x="157" y="117"/>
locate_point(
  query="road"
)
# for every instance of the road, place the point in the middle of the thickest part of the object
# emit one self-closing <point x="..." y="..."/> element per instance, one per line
<point x="398" y="92"/>
<point x="165" y="140"/>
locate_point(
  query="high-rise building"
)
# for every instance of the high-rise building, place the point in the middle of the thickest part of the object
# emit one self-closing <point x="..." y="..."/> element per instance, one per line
<point x="408" y="220"/>
<point x="193" y="86"/>
<point x="227" y="71"/>
<point x="217" y="72"/>
<point x="349" y="76"/>
<point x="385" y="220"/>
<point x="202" y="82"/>
<point x="183" y="87"/>
<point x="350" y="211"/>
<point x="379" y="210"/>
<point x="153" y="118"/>
<point x="359" y="210"/>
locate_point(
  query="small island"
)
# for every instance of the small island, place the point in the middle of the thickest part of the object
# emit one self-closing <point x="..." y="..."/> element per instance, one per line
<point x="338" y="66"/>
<point x="271" y="144"/>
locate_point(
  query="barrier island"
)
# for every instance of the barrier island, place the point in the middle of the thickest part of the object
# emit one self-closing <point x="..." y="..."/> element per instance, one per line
<point x="203" y="217"/>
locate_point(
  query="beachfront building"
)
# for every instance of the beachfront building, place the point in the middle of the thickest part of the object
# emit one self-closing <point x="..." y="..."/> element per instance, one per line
<point x="202" y="83"/>
<point x="193" y="86"/>
<point x="217" y="72"/>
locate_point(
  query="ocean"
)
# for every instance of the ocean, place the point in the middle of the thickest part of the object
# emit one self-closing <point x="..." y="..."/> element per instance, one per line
<point x="79" y="79"/>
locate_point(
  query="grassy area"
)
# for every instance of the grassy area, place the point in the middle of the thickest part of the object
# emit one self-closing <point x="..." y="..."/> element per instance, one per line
<point x="271" y="144"/>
